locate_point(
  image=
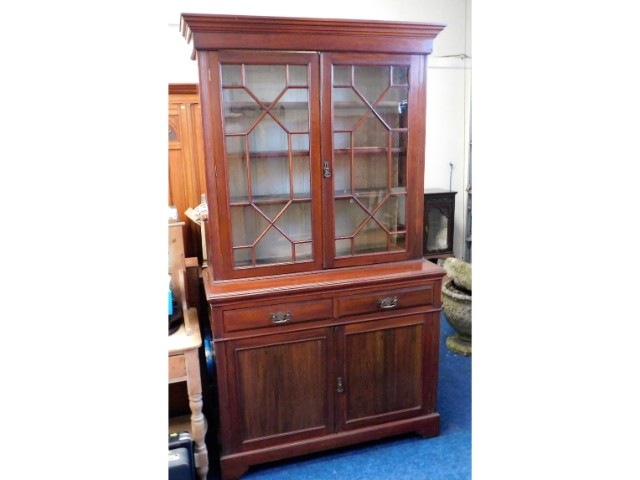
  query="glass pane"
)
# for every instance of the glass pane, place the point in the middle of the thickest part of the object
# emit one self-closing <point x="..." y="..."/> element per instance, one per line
<point x="242" y="257"/>
<point x="348" y="108"/>
<point x="399" y="162"/>
<point x="371" y="171"/>
<point x="246" y="225"/>
<point x="371" y="199"/>
<point x="437" y="230"/>
<point x="399" y="75"/>
<point x="298" y="75"/>
<point x="349" y="216"/>
<point x="292" y="110"/>
<point x="343" y="247"/>
<point x="265" y="81"/>
<point x="372" y="238"/>
<point x="231" y="75"/>
<point x="342" y="174"/>
<point x="270" y="178"/>
<point x="341" y="141"/>
<point x="300" y="144"/>
<point x="272" y="210"/>
<point x="273" y="248"/>
<point x="240" y="110"/>
<point x="304" y="252"/>
<point x="342" y="75"/>
<point x="237" y="164"/>
<point x="392" y="213"/>
<point x="173" y="136"/>
<point x="393" y="108"/>
<point x="371" y="133"/>
<point x="268" y="136"/>
<point x="301" y="177"/>
<point x="295" y="222"/>
<point x="398" y="242"/>
<point x="371" y="82"/>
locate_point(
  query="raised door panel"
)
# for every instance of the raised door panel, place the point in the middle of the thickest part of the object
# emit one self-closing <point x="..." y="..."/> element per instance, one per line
<point x="267" y="149"/>
<point x="373" y="135"/>
<point x="386" y="364"/>
<point x="281" y="384"/>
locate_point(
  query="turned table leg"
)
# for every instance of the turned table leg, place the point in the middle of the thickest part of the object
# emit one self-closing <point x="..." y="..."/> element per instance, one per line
<point x="198" y="420"/>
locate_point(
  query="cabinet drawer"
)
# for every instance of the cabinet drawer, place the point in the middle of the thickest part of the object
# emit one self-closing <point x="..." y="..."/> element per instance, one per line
<point x="385" y="300"/>
<point x="278" y="314"/>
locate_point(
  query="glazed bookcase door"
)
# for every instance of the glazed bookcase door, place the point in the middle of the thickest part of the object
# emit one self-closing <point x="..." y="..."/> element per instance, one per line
<point x="372" y="137"/>
<point x="268" y="192"/>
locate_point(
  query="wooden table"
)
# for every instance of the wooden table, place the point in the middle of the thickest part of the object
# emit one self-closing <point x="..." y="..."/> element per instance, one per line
<point x="184" y="365"/>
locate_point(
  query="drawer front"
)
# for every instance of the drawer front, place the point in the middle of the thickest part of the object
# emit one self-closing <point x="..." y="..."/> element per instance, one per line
<point x="278" y="314"/>
<point x="386" y="300"/>
<point x="177" y="368"/>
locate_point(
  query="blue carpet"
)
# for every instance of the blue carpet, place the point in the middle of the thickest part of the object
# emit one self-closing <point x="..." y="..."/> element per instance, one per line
<point x="447" y="456"/>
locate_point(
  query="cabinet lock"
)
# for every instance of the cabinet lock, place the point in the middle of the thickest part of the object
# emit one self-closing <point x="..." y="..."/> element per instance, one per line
<point x="280" y="317"/>
<point x="326" y="170"/>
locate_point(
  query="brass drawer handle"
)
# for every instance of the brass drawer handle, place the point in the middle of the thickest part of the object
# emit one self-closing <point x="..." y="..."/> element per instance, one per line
<point x="388" y="303"/>
<point x="280" y="317"/>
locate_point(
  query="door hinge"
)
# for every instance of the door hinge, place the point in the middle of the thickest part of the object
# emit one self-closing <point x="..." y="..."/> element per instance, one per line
<point x="340" y="385"/>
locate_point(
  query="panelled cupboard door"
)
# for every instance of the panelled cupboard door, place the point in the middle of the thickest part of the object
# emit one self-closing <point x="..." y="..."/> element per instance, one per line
<point x="267" y="144"/>
<point x="387" y="372"/>
<point x="281" y="388"/>
<point x="373" y="146"/>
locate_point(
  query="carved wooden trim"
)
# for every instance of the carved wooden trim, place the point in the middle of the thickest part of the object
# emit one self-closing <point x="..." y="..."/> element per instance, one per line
<point x="213" y="32"/>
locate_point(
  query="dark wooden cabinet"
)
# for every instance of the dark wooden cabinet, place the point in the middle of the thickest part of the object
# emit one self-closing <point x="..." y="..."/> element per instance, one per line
<point x="325" y="359"/>
<point x="324" y="314"/>
<point x="439" y="210"/>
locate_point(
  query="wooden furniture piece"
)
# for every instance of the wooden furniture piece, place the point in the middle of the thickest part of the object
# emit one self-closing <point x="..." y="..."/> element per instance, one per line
<point x="439" y="210"/>
<point x="183" y="345"/>
<point x="184" y="365"/>
<point x="186" y="159"/>
<point x="324" y="314"/>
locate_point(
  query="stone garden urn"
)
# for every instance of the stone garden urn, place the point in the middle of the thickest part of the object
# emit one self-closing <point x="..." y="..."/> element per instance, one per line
<point x="456" y="303"/>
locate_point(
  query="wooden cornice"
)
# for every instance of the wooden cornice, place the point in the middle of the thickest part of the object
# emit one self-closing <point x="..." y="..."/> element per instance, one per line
<point x="213" y="32"/>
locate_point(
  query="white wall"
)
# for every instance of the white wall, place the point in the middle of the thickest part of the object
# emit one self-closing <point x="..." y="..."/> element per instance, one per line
<point x="448" y="75"/>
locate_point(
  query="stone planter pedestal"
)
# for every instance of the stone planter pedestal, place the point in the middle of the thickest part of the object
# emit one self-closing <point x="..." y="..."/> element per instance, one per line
<point x="456" y="304"/>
